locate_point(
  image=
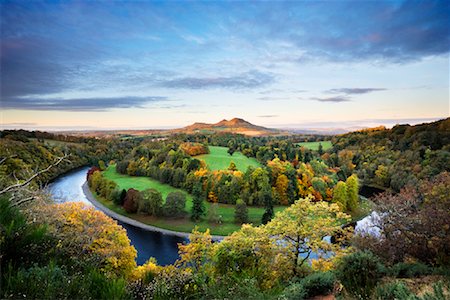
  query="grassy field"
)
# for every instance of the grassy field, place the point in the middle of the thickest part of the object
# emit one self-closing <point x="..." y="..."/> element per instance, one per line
<point x="219" y="159"/>
<point x="184" y="225"/>
<point x="315" y="145"/>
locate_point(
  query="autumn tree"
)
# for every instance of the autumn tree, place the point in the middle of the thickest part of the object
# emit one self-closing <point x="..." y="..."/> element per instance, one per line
<point x="198" y="207"/>
<point x="281" y="187"/>
<point x="131" y="201"/>
<point x="340" y="195"/>
<point x="352" y="192"/>
<point x="232" y="166"/>
<point x="241" y="212"/>
<point x="88" y="235"/>
<point x="303" y="227"/>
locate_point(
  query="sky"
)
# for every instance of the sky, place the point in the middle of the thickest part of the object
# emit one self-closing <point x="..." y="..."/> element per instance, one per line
<point x="150" y="64"/>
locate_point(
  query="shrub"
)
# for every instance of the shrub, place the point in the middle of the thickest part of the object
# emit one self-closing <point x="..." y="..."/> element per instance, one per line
<point x="411" y="270"/>
<point x="359" y="273"/>
<point x="294" y="291"/>
<point x="392" y="291"/>
<point x="317" y="284"/>
<point x="213" y="213"/>
<point x="175" y="204"/>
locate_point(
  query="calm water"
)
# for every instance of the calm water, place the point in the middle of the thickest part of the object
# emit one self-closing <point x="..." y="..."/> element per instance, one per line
<point x="148" y="244"/>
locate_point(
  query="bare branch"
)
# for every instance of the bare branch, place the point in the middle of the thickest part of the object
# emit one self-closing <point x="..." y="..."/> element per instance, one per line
<point x="28" y="181"/>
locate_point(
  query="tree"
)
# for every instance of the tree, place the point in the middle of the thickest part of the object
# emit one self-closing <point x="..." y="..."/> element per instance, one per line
<point x="131" y="201"/>
<point x="340" y="195"/>
<point x="320" y="149"/>
<point x="240" y="212"/>
<point x="198" y="207"/>
<point x="213" y="213"/>
<point x="352" y="192"/>
<point x="266" y="196"/>
<point x="150" y="202"/>
<point x="232" y="166"/>
<point x="175" y="204"/>
<point x="303" y="227"/>
<point x="89" y="236"/>
<point x="101" y="165"/>
<point x="281" y="188"/>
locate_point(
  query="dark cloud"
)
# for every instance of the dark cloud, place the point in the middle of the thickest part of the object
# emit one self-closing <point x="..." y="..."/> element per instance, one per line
<point x="386" y="31"/>
<point x="79" y="104"/>
<point x="352" y="91"/>
<point x="336" y="99"/>
<point x="251" y="79"/>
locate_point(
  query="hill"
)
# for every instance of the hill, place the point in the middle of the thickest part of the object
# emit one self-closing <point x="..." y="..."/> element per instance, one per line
<point x="235" y="125"/>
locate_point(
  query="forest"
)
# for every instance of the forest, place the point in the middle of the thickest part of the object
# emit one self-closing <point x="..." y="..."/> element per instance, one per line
<point x="288" y="211"/>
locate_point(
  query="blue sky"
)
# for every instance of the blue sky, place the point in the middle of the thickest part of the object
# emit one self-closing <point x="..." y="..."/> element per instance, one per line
<point x="107" y="64"/>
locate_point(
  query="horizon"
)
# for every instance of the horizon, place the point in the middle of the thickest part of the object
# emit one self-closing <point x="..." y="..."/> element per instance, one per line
<point x="136" y="65"/>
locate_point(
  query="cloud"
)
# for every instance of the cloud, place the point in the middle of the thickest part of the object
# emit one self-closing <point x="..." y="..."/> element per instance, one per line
<point x="353" y="91"/>
<point x="78" y="104"/>
<point x="271" y="98"/>
<point x="336" y="99"/>
<point x="382" y="31"/>
<point x="268" y="116"/>
<point x="247" y="80"/>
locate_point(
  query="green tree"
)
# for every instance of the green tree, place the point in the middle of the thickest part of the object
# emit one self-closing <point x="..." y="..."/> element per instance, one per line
<point x="320" y="149"/>
<point x="150" y="202"/>
<point x="241" y="212"/>
<point x="340" y="195"/>
<point x="352" y="192"/>
<point x="213" y="213"/>
<point x="198" y="207"/>
<point x="175" y="204"/>
<point x="266" y="196"/>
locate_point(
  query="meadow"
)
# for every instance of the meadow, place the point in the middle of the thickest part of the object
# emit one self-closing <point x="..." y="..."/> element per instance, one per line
<point x="219" y="159"/>
<point x="226" y="211"/>
<point x="315" y="145"/>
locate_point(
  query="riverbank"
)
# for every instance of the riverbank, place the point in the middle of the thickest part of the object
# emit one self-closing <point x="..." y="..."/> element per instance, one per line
<point x="132" y="222"/>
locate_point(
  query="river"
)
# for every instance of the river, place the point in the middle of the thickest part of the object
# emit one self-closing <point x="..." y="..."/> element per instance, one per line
<point x="163" y="247"/>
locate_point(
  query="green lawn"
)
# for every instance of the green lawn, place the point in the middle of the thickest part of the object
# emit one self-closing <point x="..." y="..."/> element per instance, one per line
<point x="315" y="145"/>
<point x="184" y="225"/>
<point x="219" y="159"/>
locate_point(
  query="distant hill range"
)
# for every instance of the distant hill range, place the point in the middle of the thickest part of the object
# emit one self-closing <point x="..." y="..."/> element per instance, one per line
<point x="235" y="125"/>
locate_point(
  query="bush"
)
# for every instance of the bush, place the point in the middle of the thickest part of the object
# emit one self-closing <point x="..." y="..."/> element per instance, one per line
<point x="119" y="197"/>
<point x="175" y="204"/>
<point x="122" y="166"/>
<point x="359" y="273"/>
<point x="393" y="291"/>
<point x="317" y="284"/>
<point x="294" y="291"/>
<point x="405" y="270"/>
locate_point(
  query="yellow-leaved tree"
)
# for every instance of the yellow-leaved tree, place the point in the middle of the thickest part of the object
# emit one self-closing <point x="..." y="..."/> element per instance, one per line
<point x="302" y="228"/>
<point x="87" y="235"/>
